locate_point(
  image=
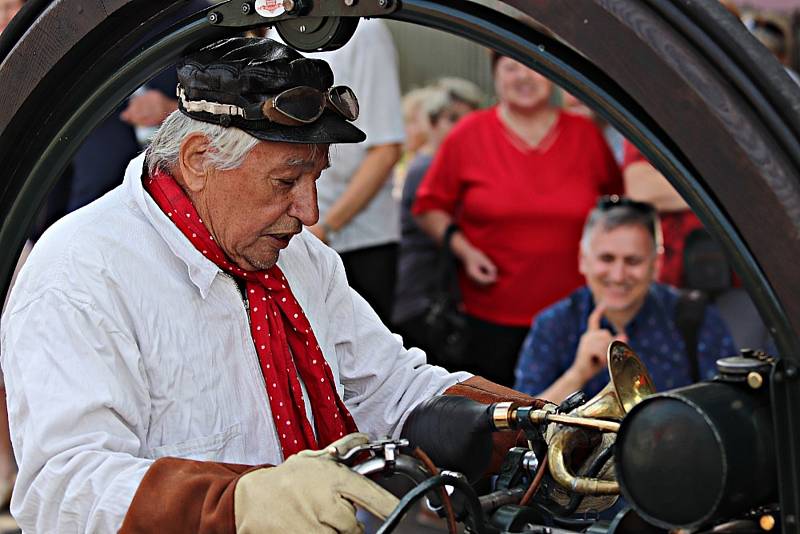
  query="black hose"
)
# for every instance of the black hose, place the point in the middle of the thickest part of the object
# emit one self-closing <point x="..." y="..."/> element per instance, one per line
<point x="474" y="511"/>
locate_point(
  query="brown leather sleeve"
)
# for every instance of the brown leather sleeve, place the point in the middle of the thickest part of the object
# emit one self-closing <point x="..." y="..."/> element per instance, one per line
<point x="484" y="391"/>
<point x="178" y="496"/>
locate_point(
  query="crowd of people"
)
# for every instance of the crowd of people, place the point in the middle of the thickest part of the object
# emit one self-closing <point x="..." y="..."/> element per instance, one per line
<point x="549" y="236"/>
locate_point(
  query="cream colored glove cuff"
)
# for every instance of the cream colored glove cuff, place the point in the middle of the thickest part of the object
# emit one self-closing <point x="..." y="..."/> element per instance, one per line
<point x="309" y="492"/>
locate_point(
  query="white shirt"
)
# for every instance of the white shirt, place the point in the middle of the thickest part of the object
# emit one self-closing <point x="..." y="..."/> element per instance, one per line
<point x="122" y="344"/>
<point x="368" y="65"/>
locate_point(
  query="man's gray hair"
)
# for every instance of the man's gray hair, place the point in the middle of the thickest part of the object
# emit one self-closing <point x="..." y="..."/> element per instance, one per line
<point x="613" y="217"/>
<point x="229" y="146"/>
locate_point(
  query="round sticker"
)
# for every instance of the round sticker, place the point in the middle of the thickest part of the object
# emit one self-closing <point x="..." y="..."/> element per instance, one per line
<point x="270" y="8"/>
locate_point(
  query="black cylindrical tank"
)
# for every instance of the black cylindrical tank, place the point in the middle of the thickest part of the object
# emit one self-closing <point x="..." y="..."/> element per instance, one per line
<point x="687" y="457"/>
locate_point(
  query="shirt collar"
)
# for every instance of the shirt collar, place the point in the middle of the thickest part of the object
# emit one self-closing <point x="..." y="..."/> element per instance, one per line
<point x="201" y="270"/>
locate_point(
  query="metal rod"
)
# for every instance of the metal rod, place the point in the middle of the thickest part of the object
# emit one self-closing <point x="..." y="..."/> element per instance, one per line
<point x="543" y="416"/>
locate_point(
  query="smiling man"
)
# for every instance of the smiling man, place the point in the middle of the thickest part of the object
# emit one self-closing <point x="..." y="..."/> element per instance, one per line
<point x="565" y="349"/>
<point x="167" y="344"/>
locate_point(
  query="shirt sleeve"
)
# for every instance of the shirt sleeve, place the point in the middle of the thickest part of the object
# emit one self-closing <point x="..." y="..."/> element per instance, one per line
<point x="382" y="380"/>
<point x="78" y="412"/>
<point x="441" y="187"/>
<point x="543" y="355"/>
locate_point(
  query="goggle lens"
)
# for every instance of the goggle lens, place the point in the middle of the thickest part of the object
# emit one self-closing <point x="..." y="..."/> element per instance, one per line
<point x="304" y="104"/>
<point x="344" y="101"/>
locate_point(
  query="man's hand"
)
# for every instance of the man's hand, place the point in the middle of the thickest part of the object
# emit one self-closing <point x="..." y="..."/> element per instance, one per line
<point x="309" y="492"/>
<point x="591" y="356"/>
<point x="148" y="109"/>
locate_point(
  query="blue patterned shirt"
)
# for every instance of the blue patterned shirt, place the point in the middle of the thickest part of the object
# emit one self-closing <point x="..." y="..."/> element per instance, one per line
<point x="552" y="342"/>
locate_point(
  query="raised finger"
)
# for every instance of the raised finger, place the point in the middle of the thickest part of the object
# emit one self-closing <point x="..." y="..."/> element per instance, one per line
<point x="596" y="316"/>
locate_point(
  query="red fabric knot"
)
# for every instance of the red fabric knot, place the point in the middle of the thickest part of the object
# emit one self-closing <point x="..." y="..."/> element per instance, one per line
<point x="287" y="349"/>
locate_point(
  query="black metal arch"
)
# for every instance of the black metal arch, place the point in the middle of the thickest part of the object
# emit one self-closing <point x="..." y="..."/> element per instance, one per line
<point x="683" y="79"/>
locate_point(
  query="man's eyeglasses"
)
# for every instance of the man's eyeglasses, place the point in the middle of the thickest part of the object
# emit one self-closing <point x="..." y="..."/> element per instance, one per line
<point x="293" y="107"/>
<point x="610" y="202"/>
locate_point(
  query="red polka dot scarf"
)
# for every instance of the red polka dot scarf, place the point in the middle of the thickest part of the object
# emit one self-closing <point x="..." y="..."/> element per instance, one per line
<point x="285" y="344"/>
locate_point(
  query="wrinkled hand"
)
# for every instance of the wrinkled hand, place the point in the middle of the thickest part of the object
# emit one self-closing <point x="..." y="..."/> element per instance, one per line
<point x="148" y="109"/>
<point x="592" y="354"/>
<point x="309" y="492"/>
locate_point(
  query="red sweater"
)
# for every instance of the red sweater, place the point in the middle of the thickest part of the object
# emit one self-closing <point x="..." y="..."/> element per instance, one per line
<point x="523" y="207"/>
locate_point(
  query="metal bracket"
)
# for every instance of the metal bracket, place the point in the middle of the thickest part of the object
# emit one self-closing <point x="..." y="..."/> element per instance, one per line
<point x="245" y="14"/>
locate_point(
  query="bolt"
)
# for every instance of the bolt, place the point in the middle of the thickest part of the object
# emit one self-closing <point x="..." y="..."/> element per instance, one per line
<point x="755" y="380"/>
<point x="384" y="3"/>
<point x="766" y="522"/>
<point x="791" y="372"/>
<point x="214" y="17"/>
<point x="349" y="3"/>
<point x="302" y="28"/>
<point x="288" y="5"/>
<point x="246" y="8"/>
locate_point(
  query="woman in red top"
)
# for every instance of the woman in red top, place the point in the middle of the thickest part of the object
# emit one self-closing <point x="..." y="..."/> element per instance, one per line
<point x="518" y="180"/>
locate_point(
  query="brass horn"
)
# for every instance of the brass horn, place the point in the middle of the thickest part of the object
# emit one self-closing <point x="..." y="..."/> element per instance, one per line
<point x="629" y="383"/>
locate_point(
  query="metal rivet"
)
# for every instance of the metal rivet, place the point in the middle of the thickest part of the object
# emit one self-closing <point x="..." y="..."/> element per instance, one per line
<point x="349" y="3"/>
<point x="288" y="5"/>
<point x="246" y="7"/>
<point x="214" y="17"/>
<point x="302" y="28"/>
<point x="383" y="3"/>
<point x="755" y="380"/>
<point x="766" y="522"/>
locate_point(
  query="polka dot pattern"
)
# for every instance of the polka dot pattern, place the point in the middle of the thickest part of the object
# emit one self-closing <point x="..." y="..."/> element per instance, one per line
<point x="290" y="349"/>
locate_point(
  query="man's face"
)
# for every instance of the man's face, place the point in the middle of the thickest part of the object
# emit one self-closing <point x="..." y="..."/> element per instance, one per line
<point x="253" y="211"/>
<point x="619" y="266"/>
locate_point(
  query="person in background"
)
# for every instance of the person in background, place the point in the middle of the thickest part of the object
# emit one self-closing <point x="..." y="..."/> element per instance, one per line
<point x="773" y="33"/>
<point x="566" y="347"/>
<point x="512" y="184"/>
<point x="614" y="139"/>
<point x="416" y="126"/>
<point x="645" y="183"/>
<point x="8" y="8"/>
<point x="359" y="217"/>
<point x="444" y="104"/>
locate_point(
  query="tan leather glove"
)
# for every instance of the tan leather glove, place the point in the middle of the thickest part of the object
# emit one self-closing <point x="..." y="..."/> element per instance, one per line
<point x="309" y="492"/>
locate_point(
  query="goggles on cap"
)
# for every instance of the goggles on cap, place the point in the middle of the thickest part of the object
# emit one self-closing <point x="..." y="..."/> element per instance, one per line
<point x="293" y="107"/>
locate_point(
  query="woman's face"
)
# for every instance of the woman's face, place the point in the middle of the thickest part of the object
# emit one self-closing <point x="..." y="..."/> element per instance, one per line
<point x="519" y="87"/>
<point x="417" y="128"/>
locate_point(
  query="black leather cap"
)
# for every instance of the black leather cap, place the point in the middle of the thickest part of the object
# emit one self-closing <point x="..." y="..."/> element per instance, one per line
<point x="245" y="71"/>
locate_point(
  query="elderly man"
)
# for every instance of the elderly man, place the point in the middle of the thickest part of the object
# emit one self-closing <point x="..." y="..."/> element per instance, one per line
<point x="167" y="343"/>
<point x="565" y="349"/>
